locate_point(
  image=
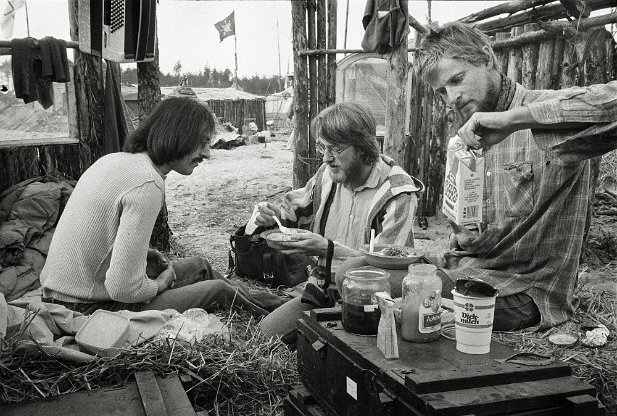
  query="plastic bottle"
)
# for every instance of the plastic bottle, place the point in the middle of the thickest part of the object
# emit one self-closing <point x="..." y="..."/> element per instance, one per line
<point x="420" y="309"/>
<point x="360" y="314"/>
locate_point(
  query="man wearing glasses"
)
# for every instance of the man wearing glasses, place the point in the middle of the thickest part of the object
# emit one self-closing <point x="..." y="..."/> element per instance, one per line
<point x="355" y="190"/>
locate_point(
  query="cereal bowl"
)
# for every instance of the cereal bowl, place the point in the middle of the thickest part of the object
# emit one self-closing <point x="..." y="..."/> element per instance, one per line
<point x="392" y="257"/>
<point x="276" y="239"/>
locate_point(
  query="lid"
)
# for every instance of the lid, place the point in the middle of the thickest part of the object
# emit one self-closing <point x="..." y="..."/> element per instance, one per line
<point x="102" y="331"/>
<point x="422" y="268"/>
<point x="367" y="274"/>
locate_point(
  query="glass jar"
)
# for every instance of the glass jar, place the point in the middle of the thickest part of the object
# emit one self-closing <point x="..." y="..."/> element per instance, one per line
<point x="360" y="311"/>
<point x="420" y="307"/>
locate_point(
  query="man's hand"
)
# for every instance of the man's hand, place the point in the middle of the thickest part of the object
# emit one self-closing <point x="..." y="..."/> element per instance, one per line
<point x="488" y="129"/>
<point x="266" y="212"/>
<point x="310" y="244"/>
<point x="462" y="238"/>
<point x="166" y="279"/>
<point x="156" y="262"/>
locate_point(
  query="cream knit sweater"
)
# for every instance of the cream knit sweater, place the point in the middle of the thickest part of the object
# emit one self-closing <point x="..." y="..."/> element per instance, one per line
<point x="98" y="251"/>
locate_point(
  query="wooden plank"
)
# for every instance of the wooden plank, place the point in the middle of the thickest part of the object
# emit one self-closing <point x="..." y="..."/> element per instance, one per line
<point x="548" y="12"/>
<point x="500" y="399"/>
<point x="176" y="401"/>
<point x="151" y="397"/>
<point x="123" y="401"/>
<point x="510" y="8"/>
<point x="13" y="139"/>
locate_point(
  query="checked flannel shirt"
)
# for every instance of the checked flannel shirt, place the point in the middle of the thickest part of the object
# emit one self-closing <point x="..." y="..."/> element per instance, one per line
<point x="537" y="188"/>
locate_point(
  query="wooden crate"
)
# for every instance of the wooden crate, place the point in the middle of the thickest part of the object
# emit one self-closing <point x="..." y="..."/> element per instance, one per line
<point x="300" y="402"/>
<point x="348" y="376"/>
<point x="147" y="396"/>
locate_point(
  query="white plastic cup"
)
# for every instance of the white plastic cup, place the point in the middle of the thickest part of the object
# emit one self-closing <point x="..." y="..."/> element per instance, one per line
<point x="473" y="320"/>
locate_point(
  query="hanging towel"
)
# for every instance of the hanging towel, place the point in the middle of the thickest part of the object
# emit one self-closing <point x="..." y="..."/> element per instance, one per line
<point x="22" y="66"/>
<point x="54" y="60"/>
<point x="115" y="124"/>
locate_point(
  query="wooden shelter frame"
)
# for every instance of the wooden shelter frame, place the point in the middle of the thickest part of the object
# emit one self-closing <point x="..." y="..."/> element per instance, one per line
<point x="534" y="46"/>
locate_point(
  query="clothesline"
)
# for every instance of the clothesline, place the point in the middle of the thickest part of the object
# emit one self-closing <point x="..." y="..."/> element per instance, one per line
<point x="5" y="46"/>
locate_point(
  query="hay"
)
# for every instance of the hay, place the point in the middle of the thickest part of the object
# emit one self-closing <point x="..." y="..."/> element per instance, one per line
<point x="608" y="169"/>
<point x="597" y="366"/>
<point x="244" y="374"/>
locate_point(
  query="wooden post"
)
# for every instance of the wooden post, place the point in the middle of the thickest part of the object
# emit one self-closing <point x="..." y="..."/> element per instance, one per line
<point x="594" y="71"/>
<point x="557" y="59"/>
<point x="322" y="80"/>
<point x="395" y="142"/>
<point x="545" y="64"/>
<point x="530" y="60"/>
<point x="148" y="84"/>
<point x="502" y="54"/>
<point x="332" y="22"/>
<point x="301" y="166"/>
<point x="313" y="84"/>
<point x="89" y="94"/>
<point x="515" y="58"/>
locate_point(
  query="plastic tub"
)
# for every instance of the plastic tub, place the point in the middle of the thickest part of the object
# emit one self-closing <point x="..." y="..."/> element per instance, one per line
<point x="104" y="333"/>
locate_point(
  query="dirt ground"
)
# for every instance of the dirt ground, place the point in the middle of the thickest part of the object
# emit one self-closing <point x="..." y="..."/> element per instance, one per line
<point x="209" y="205"/>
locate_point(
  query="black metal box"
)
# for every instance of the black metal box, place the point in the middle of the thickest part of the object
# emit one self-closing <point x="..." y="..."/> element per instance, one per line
<point x="348" y="375"/>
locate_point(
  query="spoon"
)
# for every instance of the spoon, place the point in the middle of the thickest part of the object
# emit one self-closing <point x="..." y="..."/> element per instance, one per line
<point x="283" y="229"/>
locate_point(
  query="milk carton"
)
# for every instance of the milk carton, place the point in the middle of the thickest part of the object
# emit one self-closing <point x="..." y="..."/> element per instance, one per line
<point x="463" y="190"/>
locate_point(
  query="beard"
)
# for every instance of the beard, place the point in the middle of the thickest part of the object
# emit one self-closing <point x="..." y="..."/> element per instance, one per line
<point x="487" y="104"/>
<point x="346" y="176"/>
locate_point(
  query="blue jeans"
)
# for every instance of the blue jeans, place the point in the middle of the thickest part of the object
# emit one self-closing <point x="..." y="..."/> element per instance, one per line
<point x="197" y="285"/>
<point x="512" y="312"/>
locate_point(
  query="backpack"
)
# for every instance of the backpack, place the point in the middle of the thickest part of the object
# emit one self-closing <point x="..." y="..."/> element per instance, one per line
<point x="252" y="258"/>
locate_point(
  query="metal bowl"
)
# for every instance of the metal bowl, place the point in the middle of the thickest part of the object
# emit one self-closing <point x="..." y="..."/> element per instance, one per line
<point x="276" y="239"/>
<point x="377" y="258"/>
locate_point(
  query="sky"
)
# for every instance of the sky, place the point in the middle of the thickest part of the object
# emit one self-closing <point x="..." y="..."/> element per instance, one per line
<point x="263" y="30"/>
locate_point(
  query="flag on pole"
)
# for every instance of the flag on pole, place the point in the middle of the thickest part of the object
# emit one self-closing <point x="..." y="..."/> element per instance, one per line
<point x="226" y="27"/>
<point x="7" y="16"/>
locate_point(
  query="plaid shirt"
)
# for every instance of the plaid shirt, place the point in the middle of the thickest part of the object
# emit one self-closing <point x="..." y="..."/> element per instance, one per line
<point x="537" y="188"/>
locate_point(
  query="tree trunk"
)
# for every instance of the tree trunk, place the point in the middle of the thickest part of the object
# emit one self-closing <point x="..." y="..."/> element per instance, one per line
<point x="149" y="95"/>
<point x="90" y="96"/>
<point x="301" y="168"/>
<point x="395" y="141"/>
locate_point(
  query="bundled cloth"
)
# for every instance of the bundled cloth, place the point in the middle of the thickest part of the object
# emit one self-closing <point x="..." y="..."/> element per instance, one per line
<point x="34" y="70"/>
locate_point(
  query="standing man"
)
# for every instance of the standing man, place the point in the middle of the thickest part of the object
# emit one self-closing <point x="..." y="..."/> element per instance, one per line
<point x="537" y="175"/>
<point x="355" y="190"/>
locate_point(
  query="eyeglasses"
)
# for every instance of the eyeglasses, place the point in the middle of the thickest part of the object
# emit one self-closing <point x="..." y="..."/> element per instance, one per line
<point x="322" y="148"/>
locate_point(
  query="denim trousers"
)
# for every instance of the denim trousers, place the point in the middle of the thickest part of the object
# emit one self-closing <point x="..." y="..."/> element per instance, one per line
<point x="197" y="285"/>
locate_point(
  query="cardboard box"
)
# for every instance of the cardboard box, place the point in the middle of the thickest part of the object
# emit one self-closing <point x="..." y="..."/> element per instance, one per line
<point x="463" y="190"/>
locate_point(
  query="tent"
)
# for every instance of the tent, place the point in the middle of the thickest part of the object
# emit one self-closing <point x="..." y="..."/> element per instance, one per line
<point x="278" y="106"/>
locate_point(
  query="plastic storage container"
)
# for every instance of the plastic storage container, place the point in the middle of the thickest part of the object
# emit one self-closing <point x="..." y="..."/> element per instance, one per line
<point x="360" y="311"/>
<point x="103" y="333"/>
<point x="420" y="308"/>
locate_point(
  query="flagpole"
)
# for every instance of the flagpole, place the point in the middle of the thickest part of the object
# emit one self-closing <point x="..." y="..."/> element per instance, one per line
<point x="27" y="19"/>
<point x="236" y="60"/>
<point x="278" y="48"/>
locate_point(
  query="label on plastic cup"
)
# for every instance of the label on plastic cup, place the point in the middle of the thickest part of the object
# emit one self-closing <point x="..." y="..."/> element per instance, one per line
<point x="473" y="319"/>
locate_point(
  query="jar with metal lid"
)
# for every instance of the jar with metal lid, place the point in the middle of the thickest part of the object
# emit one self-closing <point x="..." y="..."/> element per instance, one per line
<point x="420" y="307"/>
<point x="360" y="311"/>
